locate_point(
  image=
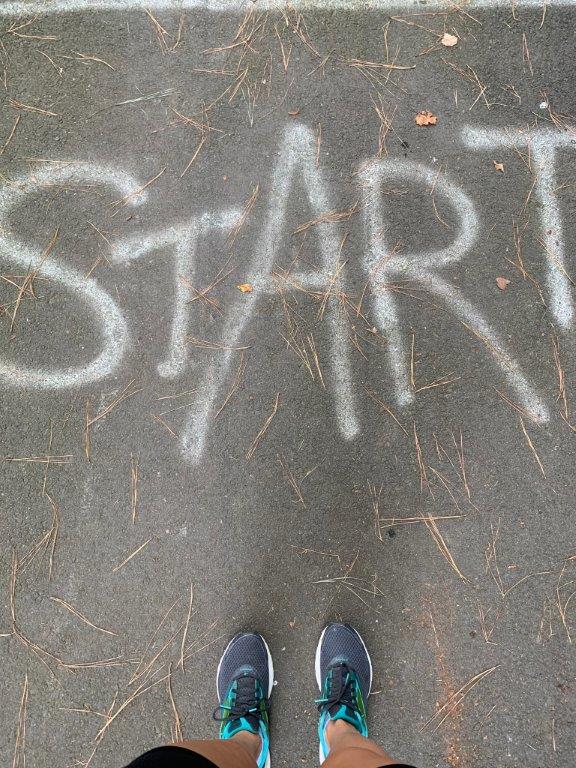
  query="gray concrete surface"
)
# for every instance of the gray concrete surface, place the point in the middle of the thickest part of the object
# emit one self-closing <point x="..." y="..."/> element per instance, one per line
<point x="441" y="601"/>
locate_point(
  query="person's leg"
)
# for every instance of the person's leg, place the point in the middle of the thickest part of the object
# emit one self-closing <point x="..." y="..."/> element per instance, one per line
<point x="198" y="754"/>
<point x="349" y="749"/>
<point x="244" y="681"/>
<point x="240" y="751"/>
<point x="345" y="742"/>
<point x="344" y="676"/>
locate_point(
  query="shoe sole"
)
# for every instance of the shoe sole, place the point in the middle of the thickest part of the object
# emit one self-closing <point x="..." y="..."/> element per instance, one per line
<point x="270" y="678"/>
<point x="319" y="678"/>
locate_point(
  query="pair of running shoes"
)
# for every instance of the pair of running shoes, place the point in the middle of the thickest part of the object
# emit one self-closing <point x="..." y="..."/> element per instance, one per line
<point x="245" y="680"/>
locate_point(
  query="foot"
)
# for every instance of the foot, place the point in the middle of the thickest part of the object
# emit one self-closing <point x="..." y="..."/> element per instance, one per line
<point x="344" y="676"/>
<point x="244" y="680"/>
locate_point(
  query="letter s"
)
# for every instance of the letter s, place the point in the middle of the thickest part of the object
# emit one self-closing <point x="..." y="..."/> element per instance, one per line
<point x="113" y="329"/>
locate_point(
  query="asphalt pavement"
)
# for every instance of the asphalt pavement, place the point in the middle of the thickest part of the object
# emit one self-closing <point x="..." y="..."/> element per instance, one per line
<point x="274" y="353"/>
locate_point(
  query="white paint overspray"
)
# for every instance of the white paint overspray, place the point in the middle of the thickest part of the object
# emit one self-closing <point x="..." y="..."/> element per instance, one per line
<point x="183" y="242"/>
<point x="113" y="327"/>
<point x="543" y="144"/>
<point x="421" y="267"/>
<point x="297" y="154"/>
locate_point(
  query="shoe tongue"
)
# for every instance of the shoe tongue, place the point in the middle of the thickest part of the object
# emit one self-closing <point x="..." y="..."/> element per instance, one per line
<point x="339" y="672"/>
<point x="344" y="713"/>
<point x="338" y="682"/>
<point x="248" y="723"/>
<point x="246" y="695"/>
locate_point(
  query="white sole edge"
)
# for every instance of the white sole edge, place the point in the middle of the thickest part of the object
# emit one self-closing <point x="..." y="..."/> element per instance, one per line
<point x="319" y="679"/>
<point x="317" y="659"/>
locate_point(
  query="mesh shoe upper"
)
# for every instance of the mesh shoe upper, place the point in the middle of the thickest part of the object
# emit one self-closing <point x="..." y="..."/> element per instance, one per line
<point x="341" y="643"/>
<point x="246" y="653"/>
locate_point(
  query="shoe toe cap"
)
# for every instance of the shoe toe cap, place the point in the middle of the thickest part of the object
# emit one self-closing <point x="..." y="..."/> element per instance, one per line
<point x="246" y="652"/>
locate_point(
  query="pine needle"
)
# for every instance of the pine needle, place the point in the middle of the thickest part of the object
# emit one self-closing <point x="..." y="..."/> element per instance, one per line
<point x="250" y="452"/>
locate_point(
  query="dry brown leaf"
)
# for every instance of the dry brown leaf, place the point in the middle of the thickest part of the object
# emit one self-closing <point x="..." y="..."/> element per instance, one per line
<point x="425" y="118"/>
<point x="502" y="283"/>
<point x="498" y="166"/>
<point x="449" y="40"/>
<point x="245" y="288"/>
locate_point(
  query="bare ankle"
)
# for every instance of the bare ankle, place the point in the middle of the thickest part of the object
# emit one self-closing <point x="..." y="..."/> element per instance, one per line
<point x="340" y="734"/>
<point x="336" y="729"/>
<point x="250" y="741"/>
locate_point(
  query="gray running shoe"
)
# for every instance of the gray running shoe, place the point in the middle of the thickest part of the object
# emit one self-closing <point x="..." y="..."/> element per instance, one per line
<point x="245" y="679"/>
<point x="344" y="677"/>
